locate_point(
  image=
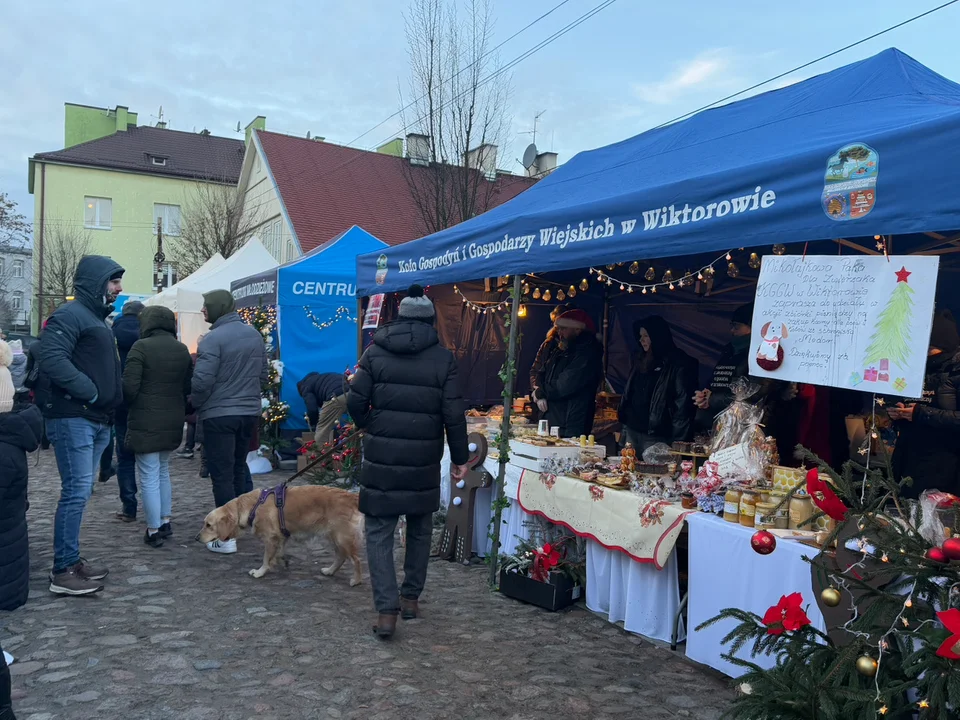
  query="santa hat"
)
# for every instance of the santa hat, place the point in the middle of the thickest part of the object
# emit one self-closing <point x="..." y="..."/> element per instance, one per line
<point x="577" y="319"/>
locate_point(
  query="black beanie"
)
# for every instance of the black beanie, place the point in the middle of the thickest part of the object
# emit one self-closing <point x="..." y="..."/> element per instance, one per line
<point x="944" y="334"/>
<point x="743" y="315"/>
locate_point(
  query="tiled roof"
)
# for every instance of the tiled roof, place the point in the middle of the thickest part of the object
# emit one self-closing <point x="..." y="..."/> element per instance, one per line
<point x="187" y="155"/>
<point x="328" y="188"/>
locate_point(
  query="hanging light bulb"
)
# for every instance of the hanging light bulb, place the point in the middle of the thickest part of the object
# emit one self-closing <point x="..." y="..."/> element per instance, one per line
<point x="526" y="289"/>
<point x="622" y="286"/>
<point x="584" y="285"/>
<point x="546" y="295"/>
<point x="611" y="266"/>
<point x="709" y="272"/>
<point x="572" y="291"/>
<point x="522" y="311"/>
<point x="561" y="296"/>
<point x="668" y="276"/>
<point x="536" y="294"/>
<point x="634" y="267"/>
<point x="779" y="249"/>
<point x="644" y="291"/>
<point x="754" y="261"/>
<point x="732" y="270"/>
<point x="700" y="275"/>
<point x="650" y="274"/>
<point x="729" y="257"/>
<point x="672" y="287"/>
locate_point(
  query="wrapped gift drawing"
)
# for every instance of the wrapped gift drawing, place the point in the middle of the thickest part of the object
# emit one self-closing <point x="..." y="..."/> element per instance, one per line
<point x="883" y="377"/>
<point x="870" y="374"/>
<point x="884" y="365"/>
<point x="855" y="378"/>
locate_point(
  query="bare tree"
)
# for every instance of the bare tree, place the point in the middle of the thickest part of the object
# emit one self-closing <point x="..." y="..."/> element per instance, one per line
<point x="14" y="229"/>
<point x="212" y="221"/>
<point x="63" y="247"/>
<point x="459" y="107"/>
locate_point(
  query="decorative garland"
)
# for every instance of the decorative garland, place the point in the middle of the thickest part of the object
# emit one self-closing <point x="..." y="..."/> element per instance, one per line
<point x="343" y="313"/>
<point x="705" y="273"/>
<point x="482" y="308"/>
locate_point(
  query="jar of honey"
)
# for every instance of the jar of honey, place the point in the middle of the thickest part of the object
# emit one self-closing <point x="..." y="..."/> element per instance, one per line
<point x="766" y="516"/>
<point x="748" y="508"/>
<point x="731" y="505"/>
<point x="781" y="517"/>
<point x="801" y="510"/>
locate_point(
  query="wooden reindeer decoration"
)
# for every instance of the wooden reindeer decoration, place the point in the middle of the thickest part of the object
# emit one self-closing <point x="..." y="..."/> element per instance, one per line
<point x="456" y="543"/>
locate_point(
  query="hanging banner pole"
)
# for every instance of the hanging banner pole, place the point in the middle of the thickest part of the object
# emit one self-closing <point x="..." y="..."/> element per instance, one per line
<point x="509" y="376"/>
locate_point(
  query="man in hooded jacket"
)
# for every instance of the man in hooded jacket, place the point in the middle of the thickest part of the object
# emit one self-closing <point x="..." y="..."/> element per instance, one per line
<point x="230" y="371"/>
<point x="78" y="355"/>
<point x="404" y="395"/>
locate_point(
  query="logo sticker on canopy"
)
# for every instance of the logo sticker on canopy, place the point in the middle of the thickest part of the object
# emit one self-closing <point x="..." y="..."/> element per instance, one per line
<point x="850" y="182"/>
<point x="381" y="269"/>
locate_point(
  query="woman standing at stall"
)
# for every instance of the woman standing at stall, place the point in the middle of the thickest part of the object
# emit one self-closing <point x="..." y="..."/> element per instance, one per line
<point x="156" y="382"/>
<point x="656" y="403"/>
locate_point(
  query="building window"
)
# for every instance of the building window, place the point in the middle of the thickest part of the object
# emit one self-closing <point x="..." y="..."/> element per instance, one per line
<point x="291" y="251"/>
<point x="17" y="269"/>
<point x="97" y="213"/>
<point x="158" y="160"/>
<point x="169" y="216"/>
<point x="169" y="273"/>
<point x="16" y="301"/>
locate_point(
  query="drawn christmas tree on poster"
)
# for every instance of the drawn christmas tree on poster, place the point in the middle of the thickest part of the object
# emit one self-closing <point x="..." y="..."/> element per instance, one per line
<point x="891" y="335"/>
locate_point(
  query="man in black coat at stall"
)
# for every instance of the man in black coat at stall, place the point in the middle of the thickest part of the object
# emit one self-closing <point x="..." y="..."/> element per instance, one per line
<point x="566" y="386"/>
<point x="404" y="395"/>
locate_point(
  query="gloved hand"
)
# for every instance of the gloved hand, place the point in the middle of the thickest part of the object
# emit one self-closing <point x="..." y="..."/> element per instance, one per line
<point x="542" y="405"/>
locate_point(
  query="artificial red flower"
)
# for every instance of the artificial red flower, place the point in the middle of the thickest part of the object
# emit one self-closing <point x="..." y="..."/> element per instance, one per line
<point x="544" y="560"/>
<point x="786" y="615"/>
<point x="824" y="497"/>
<point x="951" y="621"/>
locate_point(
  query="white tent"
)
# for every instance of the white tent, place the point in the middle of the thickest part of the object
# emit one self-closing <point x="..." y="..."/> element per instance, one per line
<point x="186" y="297"/>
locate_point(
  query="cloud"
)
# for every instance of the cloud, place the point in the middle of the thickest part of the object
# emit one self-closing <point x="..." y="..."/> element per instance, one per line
<point x="707" y="68"/>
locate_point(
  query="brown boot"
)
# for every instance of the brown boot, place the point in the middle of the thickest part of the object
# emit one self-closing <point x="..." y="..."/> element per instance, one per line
<point x="409" y="608"/>
<point x="386" y="626"/>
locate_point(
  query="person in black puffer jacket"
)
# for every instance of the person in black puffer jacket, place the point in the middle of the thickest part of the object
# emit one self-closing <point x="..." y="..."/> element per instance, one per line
<point x="566" y="386"/>
<point x="656" y="405"/>
<point x="78" y="354"/>
<point x="929" y="430"/>
<point x="405" y="395"/>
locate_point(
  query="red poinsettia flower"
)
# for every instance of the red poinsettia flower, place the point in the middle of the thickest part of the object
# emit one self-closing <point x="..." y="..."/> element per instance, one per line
<point x="824" y="497"/>
<point x="545" y="559"/>
<point x="951" y="621"/>
<point x="786" y="615"/>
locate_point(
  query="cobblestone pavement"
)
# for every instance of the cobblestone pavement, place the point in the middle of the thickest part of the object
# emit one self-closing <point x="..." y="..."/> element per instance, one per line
<point x="182" y="633"/>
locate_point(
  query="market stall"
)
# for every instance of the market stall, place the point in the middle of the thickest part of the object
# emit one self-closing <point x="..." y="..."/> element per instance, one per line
<point x="754" y="185"/>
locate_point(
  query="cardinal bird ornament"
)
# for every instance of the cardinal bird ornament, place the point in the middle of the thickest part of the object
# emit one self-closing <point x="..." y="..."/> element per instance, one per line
<point x="770" y="354"/>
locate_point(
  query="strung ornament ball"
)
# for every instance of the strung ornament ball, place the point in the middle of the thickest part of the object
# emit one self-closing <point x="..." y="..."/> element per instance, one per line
<point x="763" y="542"/>
<point x="831" y="597"/>
<point x="951" y="548"/>
<point x="937" y="555"/>
<point x="866" y="666"/>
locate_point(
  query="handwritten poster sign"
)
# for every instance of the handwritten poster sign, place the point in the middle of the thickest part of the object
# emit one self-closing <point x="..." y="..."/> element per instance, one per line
<point x="858" y="323"/>
<point x="371" y="318"/>
<point x="732" y="461"/>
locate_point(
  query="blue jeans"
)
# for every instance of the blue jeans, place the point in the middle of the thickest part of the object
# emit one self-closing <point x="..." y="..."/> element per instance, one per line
<point x="126" y="469"/>
<point x="154" y="472"/>
<point x="78" y="444"/>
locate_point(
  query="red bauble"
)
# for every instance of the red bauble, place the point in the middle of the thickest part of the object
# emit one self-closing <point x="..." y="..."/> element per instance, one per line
<point x="951" y="548"/>
<point x="937" y="555"/>
<point x="763" y="542"/>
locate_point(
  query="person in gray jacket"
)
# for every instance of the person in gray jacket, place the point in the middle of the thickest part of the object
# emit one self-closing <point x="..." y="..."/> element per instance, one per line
<point x="226" y="390"/>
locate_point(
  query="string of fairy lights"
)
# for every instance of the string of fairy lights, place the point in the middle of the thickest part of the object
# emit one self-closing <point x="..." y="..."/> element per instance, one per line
<point x="342" y="315"/>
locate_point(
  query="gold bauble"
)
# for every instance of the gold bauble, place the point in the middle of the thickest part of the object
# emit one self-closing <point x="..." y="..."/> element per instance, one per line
<point x="561" y="295"/>
<point x="866" y="666"/>
<point x="536" y="294"/>
<point x="634" y="268"/>
<point x="754" y="261"/>
<point x="584" y="285"/>
<point x="732" y="270"/>
<point x="572" y="291"/>
<point x="526" y="289"/>
<point x="650" y="274"/>
<point x="779" y="249"/>
<point x="831" y="597"/>
<point x="546" y="295"/>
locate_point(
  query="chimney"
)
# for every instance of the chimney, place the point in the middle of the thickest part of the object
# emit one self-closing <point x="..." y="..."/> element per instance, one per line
<point x="545" y="164"/>
<point x="418" y="149"/>
<point x="484" y="159"/>
<point x="161" y="125"/>
<point x="122" y="119"/>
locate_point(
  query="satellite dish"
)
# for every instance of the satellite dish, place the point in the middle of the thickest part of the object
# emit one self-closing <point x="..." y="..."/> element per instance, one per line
<point x="530" y="155"/>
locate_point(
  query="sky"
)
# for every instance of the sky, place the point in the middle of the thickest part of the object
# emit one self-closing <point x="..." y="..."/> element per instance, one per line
<point x="334" y="68"/>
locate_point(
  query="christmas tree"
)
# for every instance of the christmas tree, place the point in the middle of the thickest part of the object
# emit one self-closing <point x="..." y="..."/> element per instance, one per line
<point x="274" y="410"/>
<point x="889" y="594"/>
<point x="891" y="336"/>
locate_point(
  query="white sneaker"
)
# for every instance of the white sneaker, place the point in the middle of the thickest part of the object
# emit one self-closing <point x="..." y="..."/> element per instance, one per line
<point x="224" y="547"/>
<point x="8" y="657"/>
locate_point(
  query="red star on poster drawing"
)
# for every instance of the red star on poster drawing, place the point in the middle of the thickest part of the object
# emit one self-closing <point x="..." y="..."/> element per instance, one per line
<point x="902" y="274"/>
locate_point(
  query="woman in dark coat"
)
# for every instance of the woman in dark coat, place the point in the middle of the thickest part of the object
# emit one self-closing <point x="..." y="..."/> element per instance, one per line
<point x="156" y="382"/>
<point x="929" y="430"/>
<point x="656" y="403"/>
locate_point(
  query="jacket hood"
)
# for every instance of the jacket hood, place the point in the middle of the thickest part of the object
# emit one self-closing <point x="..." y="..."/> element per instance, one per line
<point x="90" y="281"/>
<point x="22" y="429"/>
<point x="6" y="355"/>
<point x="126" y="329"/>
<point x="218" y="303"/>
<point x="157" y="320"/>
<point x="661" y="339"/>
<point x="307" y="378"/>
<point x="406" y="337"/>
<point x="18" y="361"/>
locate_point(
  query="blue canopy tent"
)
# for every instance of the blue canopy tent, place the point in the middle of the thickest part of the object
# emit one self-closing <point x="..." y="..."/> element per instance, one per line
<point x="869" y="148"/>
<point x="317" y="309"/>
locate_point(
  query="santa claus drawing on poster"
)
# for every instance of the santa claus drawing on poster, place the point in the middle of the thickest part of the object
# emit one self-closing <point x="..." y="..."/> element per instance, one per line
<point x="770" y="353"/>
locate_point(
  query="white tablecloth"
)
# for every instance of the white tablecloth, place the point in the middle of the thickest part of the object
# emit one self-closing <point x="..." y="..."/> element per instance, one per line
<point x="725" y="572"/>
<point x="644" y="599"/>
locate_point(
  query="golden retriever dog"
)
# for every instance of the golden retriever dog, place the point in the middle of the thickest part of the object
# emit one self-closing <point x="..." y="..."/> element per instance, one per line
<point x="307" y="510"/>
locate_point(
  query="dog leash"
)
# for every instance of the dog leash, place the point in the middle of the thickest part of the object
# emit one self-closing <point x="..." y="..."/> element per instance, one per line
<point x="323" y="456"/>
